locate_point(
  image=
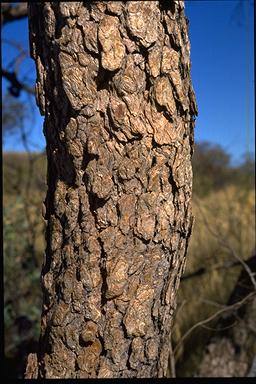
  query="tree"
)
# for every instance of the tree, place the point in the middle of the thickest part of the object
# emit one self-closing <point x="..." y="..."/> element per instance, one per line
<point x="113" y="81"/>
<point x="212" y="168"/>
<point x="13" y="12"/>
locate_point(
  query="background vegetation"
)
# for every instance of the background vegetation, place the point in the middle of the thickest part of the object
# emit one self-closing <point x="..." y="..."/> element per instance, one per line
<point x="224" y="206"/>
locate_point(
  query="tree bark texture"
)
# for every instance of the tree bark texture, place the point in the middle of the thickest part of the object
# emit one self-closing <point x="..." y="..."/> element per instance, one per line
<point x="113" y="81"/>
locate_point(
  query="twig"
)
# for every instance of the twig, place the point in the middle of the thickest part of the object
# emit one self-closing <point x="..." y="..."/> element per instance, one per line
<point x="179" y="309"/>
<point x="172" y="361"/>
<point x="203" y="270"/>
<point x="21" y="56"/>
<point x="16" y="85"/>
<point x="225" y="244"/>
<point x="213" y="303"/>
<point x="219" y="329"/>
<point x="205" y="321"/>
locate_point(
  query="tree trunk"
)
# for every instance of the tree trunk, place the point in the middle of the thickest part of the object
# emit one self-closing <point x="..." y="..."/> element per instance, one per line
<point x="113" y="81"/>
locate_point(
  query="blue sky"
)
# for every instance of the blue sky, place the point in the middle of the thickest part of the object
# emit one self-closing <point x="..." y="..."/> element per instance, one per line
<point x="221" y="36"/>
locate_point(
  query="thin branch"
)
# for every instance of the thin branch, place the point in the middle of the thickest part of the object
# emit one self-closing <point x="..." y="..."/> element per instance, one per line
<point x="23" y="54"/>
<point x="16" y="85"/>
<point x="196" y="273"/>
<point x="226" y="245"/>
<point x="172" y="361"/>
<point x="205" y="321"/>
<point x="219" y="329"/>
<point x="178" y="310"/>
<point x="203" y="270"/>
<point x="10" y="12"/>
<point x="15" y="45"/>
<point x="214" y="303"/>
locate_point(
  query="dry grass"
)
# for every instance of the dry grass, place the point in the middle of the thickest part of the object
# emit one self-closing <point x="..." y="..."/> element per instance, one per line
<point x="224" y="217"/>
<point x="224" y="227"/>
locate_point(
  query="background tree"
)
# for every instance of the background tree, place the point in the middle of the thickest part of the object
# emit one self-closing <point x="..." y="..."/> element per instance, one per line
<point x="12" y="12"/>
<point x="113" y="81"/>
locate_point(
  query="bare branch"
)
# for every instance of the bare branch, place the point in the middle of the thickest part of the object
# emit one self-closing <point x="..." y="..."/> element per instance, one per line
<point x="10" y="12"/>
<point x="226" y="265"/>
<point x="172" y="361"/>
<point x="16" y="85"/>
<point x="23" y="54"/>
<point x="16" y="45"/>
<point x="226" y="245"/>
<point x="216" y="314"/>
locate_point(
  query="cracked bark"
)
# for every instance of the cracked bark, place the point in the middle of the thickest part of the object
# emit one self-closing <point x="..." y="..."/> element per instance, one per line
<point x="113" y="81"/>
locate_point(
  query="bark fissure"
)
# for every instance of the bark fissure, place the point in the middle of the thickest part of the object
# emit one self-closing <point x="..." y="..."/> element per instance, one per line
<point x="104" y="274"/>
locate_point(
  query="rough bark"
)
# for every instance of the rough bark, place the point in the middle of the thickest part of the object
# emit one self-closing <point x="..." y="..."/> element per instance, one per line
<point x="113" y="81"/>
<point x="231" y="351"/>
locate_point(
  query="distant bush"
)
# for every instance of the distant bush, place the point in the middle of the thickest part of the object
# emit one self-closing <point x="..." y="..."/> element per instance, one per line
<point x="22" y="292"/>
<point x="213" y="171"/>
<point x="23" y="235"/>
